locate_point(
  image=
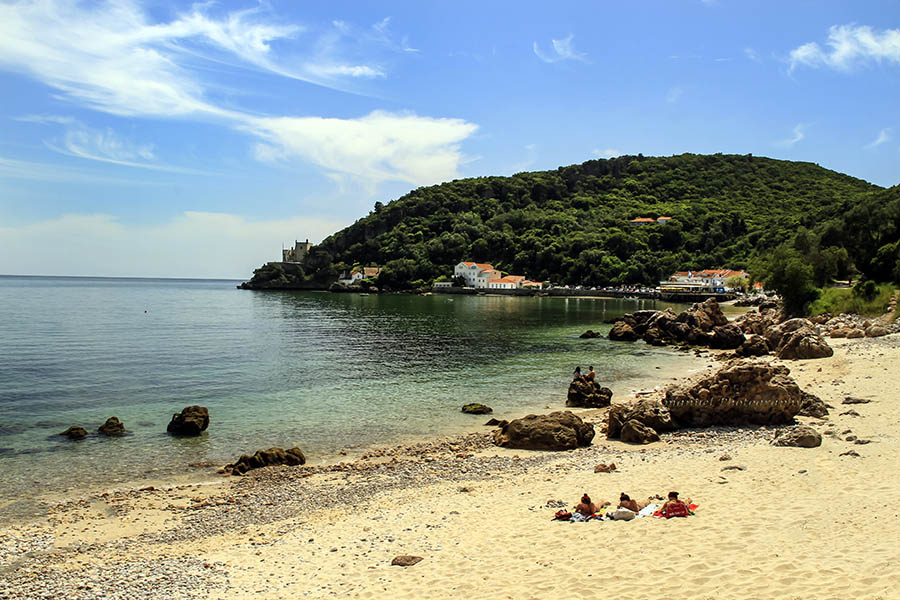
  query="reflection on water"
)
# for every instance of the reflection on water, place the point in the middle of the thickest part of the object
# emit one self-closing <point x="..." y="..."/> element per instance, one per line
<point x="322" y="371"/>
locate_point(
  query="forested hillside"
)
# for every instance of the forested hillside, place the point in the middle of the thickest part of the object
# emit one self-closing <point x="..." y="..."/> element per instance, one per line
<point x="571" y="225"/>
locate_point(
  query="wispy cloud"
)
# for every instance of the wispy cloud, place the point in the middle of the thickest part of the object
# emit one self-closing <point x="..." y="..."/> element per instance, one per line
<point x="110" y="57"/>
<point x="11" y="168"/>
<point x="849" y="46"/>
<point x="380" y="146"/>
<point x="752" y="54"/>
<point x="606" y="153"/>
<point x="563" y="49"/>
<point x="674" y="94"/>
<point x="799" y="134"/>
<point x="884" y="136"/>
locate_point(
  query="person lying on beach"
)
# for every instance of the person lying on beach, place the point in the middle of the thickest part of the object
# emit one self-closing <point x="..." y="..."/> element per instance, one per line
<point x="675" y="507"/>
<point x="588" y="508"/>
<point x="626" y="502"/>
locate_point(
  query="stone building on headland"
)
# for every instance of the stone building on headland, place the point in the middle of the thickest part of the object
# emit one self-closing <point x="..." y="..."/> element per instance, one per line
<point x="297" y="253"/>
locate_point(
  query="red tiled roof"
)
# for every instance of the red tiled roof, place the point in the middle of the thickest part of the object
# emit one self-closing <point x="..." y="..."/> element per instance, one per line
<point x="482" y="266"/>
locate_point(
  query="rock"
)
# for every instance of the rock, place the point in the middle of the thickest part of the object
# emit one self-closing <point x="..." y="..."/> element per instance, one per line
<point x="820" y="319"/>
<point x="755" y="345"/>
<point x="650" y="413"/>
<point x="559" y="430"/>
<point x="635" y="432"/>
<point x="840" y="332"/>
<point x="75" y="433"/>
<point x="192" y="420"/>
<point x="588" y="394"/>
<point x="734" y="468"/>
<point x="740" y="392"/>
<point x="797" y="339"/>
<point x="801" y="436"/>
<point x="850" y="413"/>
<point x="876" y="331"/>
<point x="855" y="334"/>
<point x="812" y="406"/>
<point x="266" y="458"/>
<point x="494" y="422"/>
<point x="112" y="427"/>
<point x="849" y="453"/>
<point x="477" y="409"/>
<point x="727" y="337"/>
<point x="852" y="400"/>
<point x="406" y="560"/>
<point x="589" y="334"/>
<point x="755" y="323"/>
<point x="622" y="332"/>
<point x="725" y="457"/>
<point x="604" y="468"/>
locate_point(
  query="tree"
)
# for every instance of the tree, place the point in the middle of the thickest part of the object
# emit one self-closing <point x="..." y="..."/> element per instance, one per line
<point x="786" y="272"/>
<point x="736" y="282"/>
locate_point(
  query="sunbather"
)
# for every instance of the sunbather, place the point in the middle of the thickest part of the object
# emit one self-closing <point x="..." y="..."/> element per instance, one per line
<point x="587" y="508"/>
<point x="675" y="507"/>
<point x="626" y="502"/>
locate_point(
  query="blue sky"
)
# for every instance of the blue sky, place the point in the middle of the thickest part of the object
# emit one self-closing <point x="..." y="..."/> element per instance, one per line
<point x="180" y="139"/>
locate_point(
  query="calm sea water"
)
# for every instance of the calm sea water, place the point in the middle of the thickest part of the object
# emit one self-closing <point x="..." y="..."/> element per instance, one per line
<point x="322" y="371"/>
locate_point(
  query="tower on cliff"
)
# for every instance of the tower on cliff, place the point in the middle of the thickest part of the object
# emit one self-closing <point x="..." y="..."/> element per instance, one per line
<point x="297" y="253"/>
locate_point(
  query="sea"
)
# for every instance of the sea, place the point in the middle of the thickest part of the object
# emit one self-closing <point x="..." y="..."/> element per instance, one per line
<point x="334" y="374"/>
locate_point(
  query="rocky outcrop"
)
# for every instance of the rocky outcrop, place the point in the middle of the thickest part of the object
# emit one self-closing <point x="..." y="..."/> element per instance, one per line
<point x="588" y="394"/>
<point x="635" y="432"/>
<point x="755" y="345"/>
<point x="192" y="420"/>
<point x="703" y="324"/>
<point x="812" y="406"/>
<point x="741" y="392"/>
<point x="112" y="427"/>
<point x="589" y="334"/>
<point x="797" y="338"/>
<point x="854" y="326"/>
<point x="623" y="332"/>
<point x="477" y="409"/>
<point x="755" y="323"/>
<point x="266" y="458"/>
<point x="802" y="436"/>
<point x="650" y="414"/>
<point x="75" y="432"/>
<point x="559" y="430"/>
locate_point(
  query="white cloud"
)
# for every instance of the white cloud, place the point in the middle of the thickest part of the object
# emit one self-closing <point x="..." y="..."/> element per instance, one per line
<point x="674" y="94"/>
<point x="193" y="244"/>
<point x="11" y="168"/>
<point x="799" y="135"/>
<point x="883" y="136"/>
<point x="848" y="47"/>
<point x="563" y="49"/>
<point x="606" y="153"/>
<point x="109" y="57"/>
<point x="377" y="147"/>
<point x="752" y="54"/>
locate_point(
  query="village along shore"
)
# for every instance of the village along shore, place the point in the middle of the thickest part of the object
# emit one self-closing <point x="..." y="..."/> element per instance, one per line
<point x="772" y="521"/>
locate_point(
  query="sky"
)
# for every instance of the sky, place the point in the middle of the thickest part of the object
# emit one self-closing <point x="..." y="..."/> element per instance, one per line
<point x="172" y="139"/>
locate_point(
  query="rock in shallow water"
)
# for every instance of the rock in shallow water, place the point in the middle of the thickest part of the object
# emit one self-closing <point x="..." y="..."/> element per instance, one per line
<point x="266" y="458"/>
<point x="112" y="427"/>
<point x="476" y="408"/>
<point x="75" y="432"/>
<point x="192" y="420"/>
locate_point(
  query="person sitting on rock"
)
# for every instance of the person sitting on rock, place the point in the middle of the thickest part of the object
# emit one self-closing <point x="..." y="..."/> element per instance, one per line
<point x="577" y="376"/>
<point x="589" y="378"/>
<point x="674" y="507"/>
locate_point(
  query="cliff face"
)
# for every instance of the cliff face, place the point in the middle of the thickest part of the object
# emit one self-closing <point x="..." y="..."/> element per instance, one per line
<point x="279" y="276"/>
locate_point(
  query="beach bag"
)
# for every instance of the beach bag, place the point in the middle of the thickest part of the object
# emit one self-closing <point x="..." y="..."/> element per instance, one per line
<point x="623" y="514"/>
<point x="679" y="509"/>
<point x="562" y="515"/>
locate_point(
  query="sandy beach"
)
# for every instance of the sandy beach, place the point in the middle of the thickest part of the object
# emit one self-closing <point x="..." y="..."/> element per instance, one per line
<point x="772" y="522"/>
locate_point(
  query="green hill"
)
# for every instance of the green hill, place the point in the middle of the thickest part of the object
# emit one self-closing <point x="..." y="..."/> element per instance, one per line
<point x="571" y="225"/>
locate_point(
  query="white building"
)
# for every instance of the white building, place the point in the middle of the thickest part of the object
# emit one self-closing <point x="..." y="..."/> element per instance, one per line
<point x="510" y="282"/>
<point x="476" y="275"/>
<point x="358" y="274"/>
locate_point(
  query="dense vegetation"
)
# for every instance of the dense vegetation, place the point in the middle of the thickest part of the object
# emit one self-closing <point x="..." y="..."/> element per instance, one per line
<point x="571" y="225"/>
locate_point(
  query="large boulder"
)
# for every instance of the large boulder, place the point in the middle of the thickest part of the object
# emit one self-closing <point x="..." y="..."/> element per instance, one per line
<point x="266" y="458"/>
<point x="740" y="392"/>
<point x="476" y="408"/>
<point x="112" y="427"/>
<point x="726" y="337"/>
<point x="75" y="432"/>
<point x="775" y="334"/>
<point x="588" y="394"/>
<point x="559" y="430"/>
<point x="622" y="332"/>
<point x="802" y="436"/>
<point x="755" y="345"/>
<point x="876" y="331"/>
<point x="192" y="420"/>
<point x="650" y="413"/>
<point x="804" y="342"/>
<point x="855" y="333"/>
<point x="755" y="323"/>
<point x="635" y="432"/>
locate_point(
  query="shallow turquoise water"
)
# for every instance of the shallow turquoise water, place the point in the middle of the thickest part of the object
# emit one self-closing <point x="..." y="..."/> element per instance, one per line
<point x="322" y="371"/>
